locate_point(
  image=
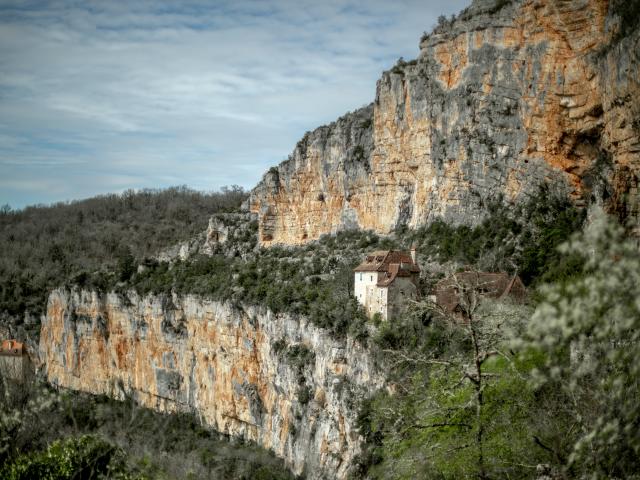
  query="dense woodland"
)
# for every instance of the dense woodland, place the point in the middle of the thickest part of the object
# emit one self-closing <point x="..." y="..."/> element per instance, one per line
<point x="67" y="435"/>
<point x="547" y="387"/>
<point x="46" y="246"/>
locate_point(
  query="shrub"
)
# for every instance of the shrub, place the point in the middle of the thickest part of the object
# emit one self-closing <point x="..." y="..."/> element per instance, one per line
<point x="86" y="457"/>
<point x="304" y="394"/>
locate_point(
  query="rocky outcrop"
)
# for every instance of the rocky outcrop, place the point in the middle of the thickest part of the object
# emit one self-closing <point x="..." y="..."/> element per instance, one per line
<point x="510" y="95"/>
<point x="319" y="188"/>
<point x="231" y="234"/>
<point x="272" y="379"/>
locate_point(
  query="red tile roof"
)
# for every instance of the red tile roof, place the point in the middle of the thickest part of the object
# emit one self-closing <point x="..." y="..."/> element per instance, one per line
<point x="12" y="347"/>
<point x="393" y="263"/>
<point x="494" y="285"/>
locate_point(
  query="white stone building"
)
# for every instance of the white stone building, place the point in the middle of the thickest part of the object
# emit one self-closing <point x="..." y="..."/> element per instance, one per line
<point x="385" y="281"/>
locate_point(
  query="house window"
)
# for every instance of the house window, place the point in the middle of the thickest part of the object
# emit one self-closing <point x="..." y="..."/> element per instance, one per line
<point x="380" y="293"/>
<point x="372" y="278"/>
<point x="360" y="277"/>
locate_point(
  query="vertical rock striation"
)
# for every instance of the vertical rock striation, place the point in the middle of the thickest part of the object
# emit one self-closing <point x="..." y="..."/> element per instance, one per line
<point x="275" y="380"/>
<point x="509" y="96"/>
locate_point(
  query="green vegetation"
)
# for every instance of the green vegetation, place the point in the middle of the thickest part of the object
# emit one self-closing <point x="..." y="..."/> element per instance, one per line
<point x="275" y="279"/>
<point x="449" y="420"/>
<point x="43" y="247"/>
<point x="315" y="280"/>
<point x="45" y="434"/>
<point x="522" y="239"/>
<point x="505" y="392"/>
<point x="75" y="457"/>
<point x="491" y="397"/>
<point x="588" y="331"/>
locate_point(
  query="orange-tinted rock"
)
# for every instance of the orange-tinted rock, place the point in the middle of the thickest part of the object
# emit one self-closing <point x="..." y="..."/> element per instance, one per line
<point x="187" y="354"/>
<point x="498" y="103"/>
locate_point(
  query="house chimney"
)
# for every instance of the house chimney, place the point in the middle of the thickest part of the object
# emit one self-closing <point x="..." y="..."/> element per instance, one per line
<point x="413" y="254"/>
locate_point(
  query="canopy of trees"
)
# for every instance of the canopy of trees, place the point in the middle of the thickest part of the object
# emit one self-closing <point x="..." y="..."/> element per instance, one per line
<point x="42" y="247"/>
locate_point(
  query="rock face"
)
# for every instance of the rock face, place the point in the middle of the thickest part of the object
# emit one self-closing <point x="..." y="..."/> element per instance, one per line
<point x="275" y="380"/>
<point x="238" y="227"/>
<point x="510" y="95"/>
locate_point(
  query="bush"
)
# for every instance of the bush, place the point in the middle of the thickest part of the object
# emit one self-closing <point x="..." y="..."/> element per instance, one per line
<point x="304" y="394"/>
<point x="85" y="457"/>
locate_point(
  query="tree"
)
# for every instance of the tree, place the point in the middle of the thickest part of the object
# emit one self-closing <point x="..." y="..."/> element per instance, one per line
<point x="461" y="404"/>
<point x="589" y="332"/>
<point x="485" y="326"/>
<point x="25" y="407"/>
<point x="126" y="264"/>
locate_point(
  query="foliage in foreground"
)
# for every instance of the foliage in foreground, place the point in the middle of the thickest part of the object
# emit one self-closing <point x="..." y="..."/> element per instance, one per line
<point x="559" y="395"/>
<point x="85" y="457"/>
<point x="589" y="332"/>
<point x="434" y="425"/>
<point x="45" y="434"/>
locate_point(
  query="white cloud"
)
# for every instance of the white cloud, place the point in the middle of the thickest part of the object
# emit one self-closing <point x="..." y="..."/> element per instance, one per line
<point x="196" y="92"/>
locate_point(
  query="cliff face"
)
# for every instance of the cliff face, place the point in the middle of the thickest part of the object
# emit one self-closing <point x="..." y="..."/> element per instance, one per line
<point x="275" y="380"/>
<point x="507" y="97"/>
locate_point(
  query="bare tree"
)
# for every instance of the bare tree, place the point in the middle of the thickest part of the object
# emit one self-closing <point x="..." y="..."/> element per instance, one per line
<point x="479" y="323"/>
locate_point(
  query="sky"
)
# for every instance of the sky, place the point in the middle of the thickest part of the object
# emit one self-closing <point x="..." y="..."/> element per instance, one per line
<point x="105" y="96"/>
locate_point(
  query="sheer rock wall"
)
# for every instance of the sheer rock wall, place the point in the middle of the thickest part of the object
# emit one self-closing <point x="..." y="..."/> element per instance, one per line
<point x="228" y="365"/>
<point x="509" y="96"/>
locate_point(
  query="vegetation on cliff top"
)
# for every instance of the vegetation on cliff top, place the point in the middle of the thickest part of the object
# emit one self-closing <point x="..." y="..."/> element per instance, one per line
<point x="316" y="280"/>
<point x="43" y="247"/>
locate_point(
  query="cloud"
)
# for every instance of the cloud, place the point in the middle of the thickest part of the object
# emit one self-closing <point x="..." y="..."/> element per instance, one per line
<point x="204" y="93"/>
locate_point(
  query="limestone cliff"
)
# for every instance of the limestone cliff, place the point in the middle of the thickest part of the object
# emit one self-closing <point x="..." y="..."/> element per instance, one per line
<point x="510" y="95"/>
<point x="275" y="380"/>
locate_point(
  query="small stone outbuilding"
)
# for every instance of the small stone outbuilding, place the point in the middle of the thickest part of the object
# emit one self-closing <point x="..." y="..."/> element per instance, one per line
<point x="386" y="281"/>
<point x="493" y="285"/>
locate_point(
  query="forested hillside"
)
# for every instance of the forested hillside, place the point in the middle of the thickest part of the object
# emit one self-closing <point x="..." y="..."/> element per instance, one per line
<point x="42" y="247"/>
<point x="547" y="387"/>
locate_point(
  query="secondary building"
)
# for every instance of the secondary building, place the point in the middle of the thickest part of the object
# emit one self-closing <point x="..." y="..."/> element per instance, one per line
<point x="452" y="292"/>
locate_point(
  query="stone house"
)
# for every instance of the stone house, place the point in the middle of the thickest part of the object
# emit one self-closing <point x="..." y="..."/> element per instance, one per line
<point x="385" y="282"/>
<point x="450" y="290"/>
<point x="14" y="361"/>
